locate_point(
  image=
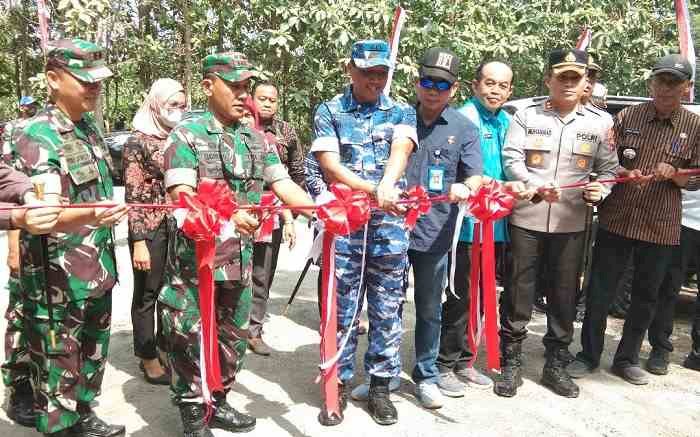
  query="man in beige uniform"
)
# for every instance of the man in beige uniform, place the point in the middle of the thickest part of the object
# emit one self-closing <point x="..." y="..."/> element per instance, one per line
<point x="556" y="142"/>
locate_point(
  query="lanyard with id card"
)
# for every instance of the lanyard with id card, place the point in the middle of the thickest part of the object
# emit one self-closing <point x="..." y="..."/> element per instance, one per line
<point x="436" y="173"/>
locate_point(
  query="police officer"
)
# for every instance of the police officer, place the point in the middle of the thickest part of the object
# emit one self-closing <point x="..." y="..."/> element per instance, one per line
<point x="363" y="139"/>
<point x="67" y="277"/>
<point x="216" y="145"/>
<point x="558" y="141"/>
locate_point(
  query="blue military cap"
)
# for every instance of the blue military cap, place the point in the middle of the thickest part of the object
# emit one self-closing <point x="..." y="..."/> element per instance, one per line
<point x="371" y="53"/>
<point x="26" y="100"/>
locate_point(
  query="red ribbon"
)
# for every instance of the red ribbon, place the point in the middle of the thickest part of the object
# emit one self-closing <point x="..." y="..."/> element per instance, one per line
<point x="207" y="211"/>
<point x="346" y="213"/>
<point x="268" y="213"/>
<point x="490" y="203"/>
<point x="420" y="204"/>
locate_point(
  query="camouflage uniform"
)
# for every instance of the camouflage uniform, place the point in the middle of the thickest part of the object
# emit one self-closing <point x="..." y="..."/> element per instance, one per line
<point x="362" y="135"/>
<point x="201" y="147"/>
<point x="16" y="368"/>
<point x="72" y="160"/>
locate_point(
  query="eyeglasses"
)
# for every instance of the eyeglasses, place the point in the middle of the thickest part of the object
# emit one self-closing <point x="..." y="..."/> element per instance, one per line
<point x="429" y="83"/>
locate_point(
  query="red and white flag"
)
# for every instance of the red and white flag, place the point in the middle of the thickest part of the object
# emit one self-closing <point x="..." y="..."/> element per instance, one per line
<point x="43" y="15"/>
<point x="399" y="20"/>
<point x="685" y="39"/>
<point x="584" y="40"/>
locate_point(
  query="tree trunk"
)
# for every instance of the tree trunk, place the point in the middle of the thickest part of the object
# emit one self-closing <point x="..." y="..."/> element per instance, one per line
<point x="187" y="41"/>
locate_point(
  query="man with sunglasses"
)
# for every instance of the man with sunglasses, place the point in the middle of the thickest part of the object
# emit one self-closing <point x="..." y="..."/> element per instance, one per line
<point x="217" y="146"/>
<point x="643" y="221"/>
<point x="556" y="142"/>
<point x="363" y="139"/>
<point x="67" y="276"/>
<point x="448" y="161"/>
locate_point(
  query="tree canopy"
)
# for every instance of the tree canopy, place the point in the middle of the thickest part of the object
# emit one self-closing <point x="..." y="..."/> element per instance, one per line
<point x="302" y="46"/>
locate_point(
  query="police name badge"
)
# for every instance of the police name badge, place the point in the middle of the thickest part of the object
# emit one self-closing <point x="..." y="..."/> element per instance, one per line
<point x="80" y="163"/>
<point x="629" y="153"/>
<point x="436" y="178"/>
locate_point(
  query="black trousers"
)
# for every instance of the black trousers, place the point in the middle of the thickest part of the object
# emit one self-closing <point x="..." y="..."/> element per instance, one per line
<point x="562" y="254"/>
<point x="147" y="330"/>
<point x="610" y="257"/>
<point x="455" y="352"/>
<point x="264" y="266"/>
<point x="661" y="327"/>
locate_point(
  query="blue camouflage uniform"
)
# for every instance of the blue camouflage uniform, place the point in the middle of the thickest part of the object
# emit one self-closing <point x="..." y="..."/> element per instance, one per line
<point x="362" y="134"/>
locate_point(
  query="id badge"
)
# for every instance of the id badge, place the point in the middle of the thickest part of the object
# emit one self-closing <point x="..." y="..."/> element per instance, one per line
<point x="81" y="165"/>
<point x="436" y="178"/>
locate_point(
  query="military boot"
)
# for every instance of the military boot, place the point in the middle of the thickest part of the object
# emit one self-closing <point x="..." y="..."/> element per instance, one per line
<point x="379" y="405"/>
<point x="555" y="377"/>
<point x="21" y="405"/>
<point x="228" y="418"/>
<point x="90" y="425"/>
<point x="193" y="421"/>
<point x="511" y="374"/>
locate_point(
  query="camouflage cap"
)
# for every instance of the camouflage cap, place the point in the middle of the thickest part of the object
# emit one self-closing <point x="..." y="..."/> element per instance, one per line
<point x="82" y="59"/>
<point x="371" y="53"/>
<point x="229" y="66"/>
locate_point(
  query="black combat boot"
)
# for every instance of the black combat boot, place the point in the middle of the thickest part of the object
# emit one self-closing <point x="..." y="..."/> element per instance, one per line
<point x="193" y="421"/>
<point x="90" y="425"/>
<point x="511" y="375"/>
<point x="228" y="418"/>
<point x="555" y="377"/>
<point x="378" y="403"/>
<point x="21" y="405"/>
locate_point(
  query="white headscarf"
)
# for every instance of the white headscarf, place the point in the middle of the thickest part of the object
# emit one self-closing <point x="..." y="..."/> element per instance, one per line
<point x="148" y="119"/>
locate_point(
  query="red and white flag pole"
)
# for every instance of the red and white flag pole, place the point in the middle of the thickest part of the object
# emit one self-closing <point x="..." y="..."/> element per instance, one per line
<point x="685" y="39"/>
<point x="399" y="20"/>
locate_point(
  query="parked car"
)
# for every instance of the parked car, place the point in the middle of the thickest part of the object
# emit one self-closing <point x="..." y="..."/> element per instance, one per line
<point x="615" y="103"/>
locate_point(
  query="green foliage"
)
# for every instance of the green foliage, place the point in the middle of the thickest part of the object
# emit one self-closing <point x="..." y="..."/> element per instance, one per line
<point x="302" y="46"/>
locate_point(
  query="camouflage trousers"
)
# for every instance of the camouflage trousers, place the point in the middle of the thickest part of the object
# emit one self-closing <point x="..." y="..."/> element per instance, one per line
<point x="72" y="373"/>
<point x="384" y="280"/>
<point x="182" y="333"/>
<point x="16" y="369"/>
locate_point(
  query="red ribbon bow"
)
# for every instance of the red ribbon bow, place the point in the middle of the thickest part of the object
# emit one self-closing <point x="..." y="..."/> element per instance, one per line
<point x="207" y="211"/>
<point x="490" y="202"/>
<point x="268" y="213"/>
<point x="420" y="204"/>
<point x="345" y="214"/>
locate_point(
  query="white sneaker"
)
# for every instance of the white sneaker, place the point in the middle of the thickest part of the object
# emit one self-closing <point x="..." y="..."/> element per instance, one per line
<point x="428" y="394"/>
<point x="474" y="378"/>
<point x="361" y="392"/>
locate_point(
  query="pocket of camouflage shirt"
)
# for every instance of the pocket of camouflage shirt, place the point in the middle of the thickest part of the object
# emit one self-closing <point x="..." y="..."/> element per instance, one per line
<point x="228" y="256"/>
<point x="350" y="154"/>
<point x="381" y="141"/>
<point x="582" y="157"/>
<point x="80" y="164"/>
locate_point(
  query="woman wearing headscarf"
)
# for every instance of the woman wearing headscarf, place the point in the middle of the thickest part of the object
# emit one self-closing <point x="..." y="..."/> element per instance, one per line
<point x="143" y="177"/>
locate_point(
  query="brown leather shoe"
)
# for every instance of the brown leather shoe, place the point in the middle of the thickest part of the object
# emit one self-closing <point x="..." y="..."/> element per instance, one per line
<point x="258" y="346"/>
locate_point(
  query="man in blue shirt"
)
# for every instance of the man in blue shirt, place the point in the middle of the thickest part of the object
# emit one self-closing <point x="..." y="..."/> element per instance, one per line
<point x="492" y="86"/>
<point x="363" y="139"/>
<point x="447" y="161"/>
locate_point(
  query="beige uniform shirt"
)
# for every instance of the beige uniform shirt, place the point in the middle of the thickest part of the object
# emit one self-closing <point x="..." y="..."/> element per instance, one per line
<point x="543" y="148"/>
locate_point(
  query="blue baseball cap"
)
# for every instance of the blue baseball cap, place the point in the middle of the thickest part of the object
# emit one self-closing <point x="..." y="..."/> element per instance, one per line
<point x="371" y="53"/>
<point x="26" y="101"/>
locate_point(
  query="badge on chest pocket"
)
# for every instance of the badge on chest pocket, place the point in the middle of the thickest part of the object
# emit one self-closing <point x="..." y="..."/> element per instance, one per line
<point x="436" y="178"/>
<point x="80" y="164"/>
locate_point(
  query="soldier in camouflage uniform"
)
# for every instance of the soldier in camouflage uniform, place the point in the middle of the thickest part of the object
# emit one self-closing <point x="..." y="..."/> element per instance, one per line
<point x="363" y="139"/>
<point x="67" y="276"/>
<point x="16" y="372"/>
<point x="215" y="145"/>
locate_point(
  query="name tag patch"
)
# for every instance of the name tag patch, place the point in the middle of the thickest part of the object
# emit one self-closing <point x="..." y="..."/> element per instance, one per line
<point x="81" y="165"/>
